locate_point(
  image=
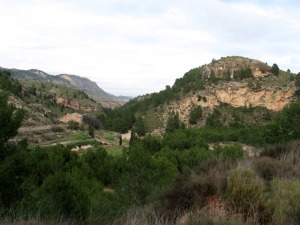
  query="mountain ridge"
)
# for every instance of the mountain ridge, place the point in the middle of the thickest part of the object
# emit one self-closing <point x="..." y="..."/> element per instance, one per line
<point x="81" y="83"/>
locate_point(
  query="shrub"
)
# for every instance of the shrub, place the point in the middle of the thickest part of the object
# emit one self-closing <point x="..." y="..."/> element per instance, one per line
<point x="245" y="194"/>
<point x="195" y="115"/>
<point x="73" y="125"/>
<point x="275" y="151"/>
<point x="57" y="129"/>
<point x="286" y="197"/>
<point x="92" y="122"/>
<point x="232" y="153"/>
<point x="194" y="188"/>
<point x="204" y="221"/>
<point x="68" y="195"/>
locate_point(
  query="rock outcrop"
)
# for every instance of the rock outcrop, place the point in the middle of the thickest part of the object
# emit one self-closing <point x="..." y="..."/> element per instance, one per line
<point x="72" y="117"/>
<point x="226" y="67"/>
<point x="236" y="94"/>
<point x="77" y="105"/>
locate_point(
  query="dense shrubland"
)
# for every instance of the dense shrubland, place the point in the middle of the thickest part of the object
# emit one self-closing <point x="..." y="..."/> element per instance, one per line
<point x="157" y="180"/>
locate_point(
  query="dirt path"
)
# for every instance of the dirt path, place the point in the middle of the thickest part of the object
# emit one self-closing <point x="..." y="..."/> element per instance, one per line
<point x="30" y="129"/>
<point x="38" y="128"/>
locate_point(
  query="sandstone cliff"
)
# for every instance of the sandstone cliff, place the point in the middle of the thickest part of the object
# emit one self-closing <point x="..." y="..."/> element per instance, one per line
<point x="236" y="94"/>
<point x="78" y="105"/>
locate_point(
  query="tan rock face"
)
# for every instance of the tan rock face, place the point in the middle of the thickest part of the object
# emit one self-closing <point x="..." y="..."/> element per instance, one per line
<point x="73" y="116"/>
<point x="239" y="95"/>
<point x="236" y="94"/>
<point x="74" y="104"/>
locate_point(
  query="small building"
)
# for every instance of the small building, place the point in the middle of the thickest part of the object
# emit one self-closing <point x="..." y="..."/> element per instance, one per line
<point x="73" y="116"/>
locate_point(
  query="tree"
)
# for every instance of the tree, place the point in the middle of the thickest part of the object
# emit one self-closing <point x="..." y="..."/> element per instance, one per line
<point x="12" y="156"/>
<point x="140" y="126"/>
<point x="173" y="122"/>
<point x="213" y="120"/>
<point x="195" y="115"/>
<point x="10" y="119"/>
<point x="120" y="139"/>
<point x="92" y="121"/>
<point x="92" y="131"/>
<point x="286" y="126"/>
<point x="275" y="69"/>
<point x="73" y="125"/>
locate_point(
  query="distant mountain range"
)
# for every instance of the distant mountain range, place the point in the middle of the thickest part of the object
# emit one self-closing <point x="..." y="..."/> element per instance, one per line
<point x="81" y="83"/>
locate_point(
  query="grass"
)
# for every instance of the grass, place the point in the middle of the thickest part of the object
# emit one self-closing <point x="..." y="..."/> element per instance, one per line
<point x="153" y="119"/>
<point x="114" y="150"/>
<point x="81" y="135"/>
<point x="109" y="136"/>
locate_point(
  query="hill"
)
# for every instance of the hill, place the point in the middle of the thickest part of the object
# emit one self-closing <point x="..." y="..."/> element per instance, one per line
<point x="45" y="103"/>
<point x="73" y="81"/>
<point x="232" y="89"/>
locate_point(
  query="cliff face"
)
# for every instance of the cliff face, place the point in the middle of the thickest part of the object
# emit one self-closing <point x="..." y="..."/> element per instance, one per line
<point x="77" y="105"/>
<point x="236" y="94"/>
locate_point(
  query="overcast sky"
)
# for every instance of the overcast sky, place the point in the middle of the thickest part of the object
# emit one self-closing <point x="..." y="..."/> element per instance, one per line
<point x="132" y="47"/>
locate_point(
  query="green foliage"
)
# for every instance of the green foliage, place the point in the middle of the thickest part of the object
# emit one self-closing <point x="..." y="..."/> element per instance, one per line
<point x="243" y="73"/>
<point x="98" y="162"/>
<point x="120" y="120"/>
<point x="92" y="121"/>
<point x="232" y="153"/>
<point x="73" y="125"/>
<point x="195" y="115"/>
<point x="152" y="144"/>
<point x="286" y="125"/>
<point x="173" y="123"/>
<point x="140" y="126"/>
<point x="275" y="69"/>
<point x="213" y="120"/>
<point x="67" y="194"/>
<point x="9" y="84"/>
<point x="142" y="170"/>
<point x="91" y="131"/>
<point x="286" y="194"/>
<point x="176" y="140"/>
<point x="244" y="192"/>
<point x="10" y="121"/>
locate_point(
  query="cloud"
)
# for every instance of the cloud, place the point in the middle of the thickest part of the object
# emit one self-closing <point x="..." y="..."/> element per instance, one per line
<point x="134" y="47"/>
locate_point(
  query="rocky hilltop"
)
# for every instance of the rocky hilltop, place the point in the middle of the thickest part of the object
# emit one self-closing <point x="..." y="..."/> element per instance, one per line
<point x="231" y="85"/>
<point x="228" y="67"/>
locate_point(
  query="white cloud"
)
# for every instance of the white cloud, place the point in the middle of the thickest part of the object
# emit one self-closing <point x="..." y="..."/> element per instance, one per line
<point x="134" y="47"/>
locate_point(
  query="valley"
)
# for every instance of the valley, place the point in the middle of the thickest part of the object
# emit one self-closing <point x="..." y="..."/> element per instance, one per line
<point x="220" y="146"/>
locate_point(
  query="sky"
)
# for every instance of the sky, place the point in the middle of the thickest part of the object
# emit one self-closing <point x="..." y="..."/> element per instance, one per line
<point x="132" y="47"/>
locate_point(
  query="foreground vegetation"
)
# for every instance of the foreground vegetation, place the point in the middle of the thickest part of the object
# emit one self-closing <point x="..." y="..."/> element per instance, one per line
<point x="172" y="179"/>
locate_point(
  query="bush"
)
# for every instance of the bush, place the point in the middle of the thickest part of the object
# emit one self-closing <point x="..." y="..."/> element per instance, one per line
<point x="245" y="194"/>
<point x="232" y="153"/>
<point x="194" y="188"/>
<point x="57" y="129"/>
<point x="275" y="151"/>
<point x="73" y="125"/>
<point x="195" y="115"/>
<point x="267" y="168"/>
<point x="92" y="122"/>
<point x="67" y="194"/>
<point x="286" y="197"/>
